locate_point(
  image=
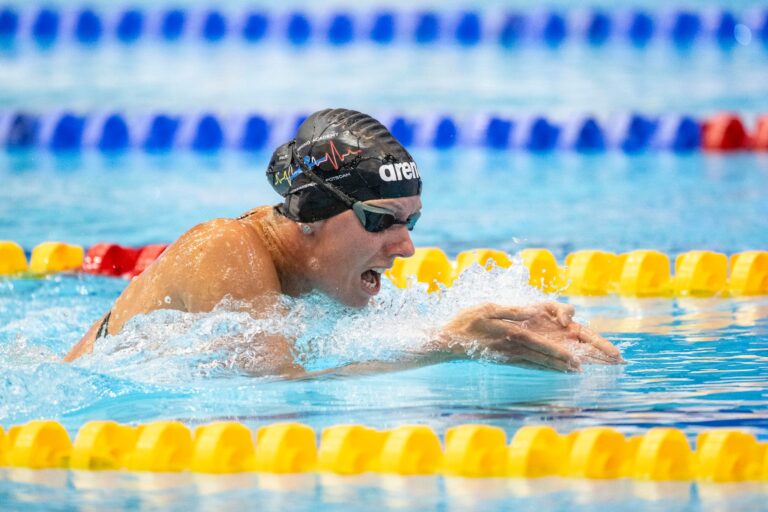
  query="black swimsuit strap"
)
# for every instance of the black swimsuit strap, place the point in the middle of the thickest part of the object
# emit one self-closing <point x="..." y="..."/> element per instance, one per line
<point x="254" y="212"/>
<point x="104" y="327"/>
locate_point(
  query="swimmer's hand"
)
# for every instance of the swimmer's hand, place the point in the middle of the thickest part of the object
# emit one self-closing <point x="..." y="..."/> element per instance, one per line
<point x="541" y="336"/>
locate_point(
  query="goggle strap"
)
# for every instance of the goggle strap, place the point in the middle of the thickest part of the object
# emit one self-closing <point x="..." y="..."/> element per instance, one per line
<point x="328" y="187"/>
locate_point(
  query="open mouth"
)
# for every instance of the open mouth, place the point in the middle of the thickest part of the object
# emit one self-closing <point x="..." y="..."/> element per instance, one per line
<point x="371" y="279"/>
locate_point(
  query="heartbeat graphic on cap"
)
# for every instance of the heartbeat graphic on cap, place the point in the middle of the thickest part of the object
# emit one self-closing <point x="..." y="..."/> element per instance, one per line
<point x="332" y="155"/>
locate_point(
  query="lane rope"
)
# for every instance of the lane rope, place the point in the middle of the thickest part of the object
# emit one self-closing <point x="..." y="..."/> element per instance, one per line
<point x="47" y="26"/>
<point x="209" y="132"/>
<point x="661" y="454"/>
<point x="638" y="273"/>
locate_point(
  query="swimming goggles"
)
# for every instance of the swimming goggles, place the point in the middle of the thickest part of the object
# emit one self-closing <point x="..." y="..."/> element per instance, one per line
<point x="373" y="218"/>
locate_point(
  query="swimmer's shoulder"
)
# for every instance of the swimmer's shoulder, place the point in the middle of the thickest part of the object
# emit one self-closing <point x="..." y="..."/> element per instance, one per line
<point x="222" y="257"/>
<point x="223" y="239"/>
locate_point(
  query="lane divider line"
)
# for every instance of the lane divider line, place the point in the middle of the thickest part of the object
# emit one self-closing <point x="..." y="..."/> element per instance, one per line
<point x="478" y="451"/>
<point x="114" y="132"/>
<point x="49" y="26"/>
<point x="638" y="273"/>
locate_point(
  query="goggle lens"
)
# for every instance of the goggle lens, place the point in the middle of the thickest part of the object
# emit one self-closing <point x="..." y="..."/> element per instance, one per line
<point x="375" y="219"/>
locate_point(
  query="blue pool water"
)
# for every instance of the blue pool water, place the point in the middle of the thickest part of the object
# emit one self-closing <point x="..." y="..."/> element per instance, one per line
<point x="694" y="364"/>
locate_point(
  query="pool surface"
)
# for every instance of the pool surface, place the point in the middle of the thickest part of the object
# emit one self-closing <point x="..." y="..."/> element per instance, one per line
<point x="693" y="364"/>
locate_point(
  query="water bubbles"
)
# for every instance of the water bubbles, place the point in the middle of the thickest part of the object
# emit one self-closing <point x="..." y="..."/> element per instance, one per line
<point x="167" y="299"/>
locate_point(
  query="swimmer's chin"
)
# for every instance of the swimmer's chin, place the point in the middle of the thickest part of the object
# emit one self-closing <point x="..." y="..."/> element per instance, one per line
<point x="361" y="296"/>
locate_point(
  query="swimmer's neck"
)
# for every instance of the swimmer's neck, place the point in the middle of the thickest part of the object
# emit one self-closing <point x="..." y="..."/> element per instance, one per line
<point x="287" y="246"/>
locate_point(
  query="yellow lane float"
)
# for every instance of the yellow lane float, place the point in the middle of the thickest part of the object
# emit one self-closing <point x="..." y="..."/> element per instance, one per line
<point x="638" y="273"/>
<point x="727" y="456"/>
<point x="411" y="450"/>
<point x="223" y="447"/>
<point x="589" y="272"/>
<point x="486" y="258"/>
<point x="542" y="269"/>
<point x="700" y="273"/>
<point x="428" y="265"/>
<point x="102" y="445"/>
<point x="597" y="452"/>
<point x="663" y="454"/>
<point x="643" y="273"/>
<point x="39" y="444"/>
<point x="537" y="451"/>
<point x="12" y="258"/>
<point x="476" y="451"/>
<point x="349" y="449"/>
<point x="55" y="257"/>
<point x="285" y="448"/>
<point x="749" y="273"/>
<point x="161" y="446"/>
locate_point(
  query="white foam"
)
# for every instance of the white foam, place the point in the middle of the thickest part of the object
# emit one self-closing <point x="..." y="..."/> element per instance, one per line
<point x="171" y="346"/>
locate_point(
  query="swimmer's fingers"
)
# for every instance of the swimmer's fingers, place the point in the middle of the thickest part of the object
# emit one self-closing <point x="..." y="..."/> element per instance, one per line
<point x="564" y="313"/>
<point x="516" y="314"/>
<point x="537" y="360"/>
<point x="557" y="312"/>
<point x="605" y="351"/>
<point x="526" y="339"/>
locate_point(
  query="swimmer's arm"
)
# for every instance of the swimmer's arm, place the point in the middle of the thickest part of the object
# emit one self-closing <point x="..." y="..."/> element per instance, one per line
<point x="363" y="368"/>
<point x="541" y="335"/>
<point x="85" y="345"/>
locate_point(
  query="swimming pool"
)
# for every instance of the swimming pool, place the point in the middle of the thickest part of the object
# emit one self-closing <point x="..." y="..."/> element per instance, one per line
<point x="694" y="364"/>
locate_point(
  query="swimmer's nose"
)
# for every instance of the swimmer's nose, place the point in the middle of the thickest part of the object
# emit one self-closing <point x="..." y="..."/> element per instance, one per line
<point x="403" y="247"/>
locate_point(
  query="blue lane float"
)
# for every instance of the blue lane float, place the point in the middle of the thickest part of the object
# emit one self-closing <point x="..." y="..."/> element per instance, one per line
<point x="678" y="133"/>
<point x="498" y="133"/>
<point x="513" y="30"/>
<point x="582" y="134"/>
<point x="641" y="28"/>
<point x="299" y="29"/>
<point x="469" y="30"/>
<point x="341" y="30"/>
<point x="89" y="27"/>
<point x="130" y="26"/>
<point x="115" y="134"/>
<point x="9" y="24"/>
<point x="214" y="27"/>
<point x="383" y="28"/>
<point x="210" y="132"/>
<point x="45" y="28"/>
<point x="599" y="28"/>
<point x="505" y="28"/>
<point x="173" y="24"/>
<point x="67" y="133"/>
<point x="255" y="27"/>
<point x="631" y="133"/>
<point x="22" y="132"/>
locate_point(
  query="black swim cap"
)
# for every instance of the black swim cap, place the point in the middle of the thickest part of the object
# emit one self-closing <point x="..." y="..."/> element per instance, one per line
<point x="350" y="151"/>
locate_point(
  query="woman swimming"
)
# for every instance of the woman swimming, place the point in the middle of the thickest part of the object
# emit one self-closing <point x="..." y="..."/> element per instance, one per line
<point x="351" y="194"/>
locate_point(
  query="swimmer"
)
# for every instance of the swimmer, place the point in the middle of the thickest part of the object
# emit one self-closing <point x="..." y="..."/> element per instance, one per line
<point x="351" y="195"/>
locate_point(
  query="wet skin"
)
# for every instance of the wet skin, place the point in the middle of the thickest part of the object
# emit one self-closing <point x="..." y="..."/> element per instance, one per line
<point x="256" y="259"/>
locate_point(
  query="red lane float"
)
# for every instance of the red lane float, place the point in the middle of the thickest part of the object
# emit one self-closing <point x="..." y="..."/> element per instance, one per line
<point x="760" y="142"/>
<point x="724" y="132"/>
<point x="147" y="255"/>
<point x="120" y="261"/>
<point x="110" y="259"/>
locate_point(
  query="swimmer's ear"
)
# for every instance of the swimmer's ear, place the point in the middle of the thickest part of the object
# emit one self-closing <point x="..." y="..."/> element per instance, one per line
<point x="281" y="168"/>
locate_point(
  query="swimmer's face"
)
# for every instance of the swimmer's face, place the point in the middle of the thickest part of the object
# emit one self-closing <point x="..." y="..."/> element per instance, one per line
<point x="350" y="260"/>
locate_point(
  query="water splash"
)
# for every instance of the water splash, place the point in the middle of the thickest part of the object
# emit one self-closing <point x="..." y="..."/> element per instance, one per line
<point x="168" y="346"/>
